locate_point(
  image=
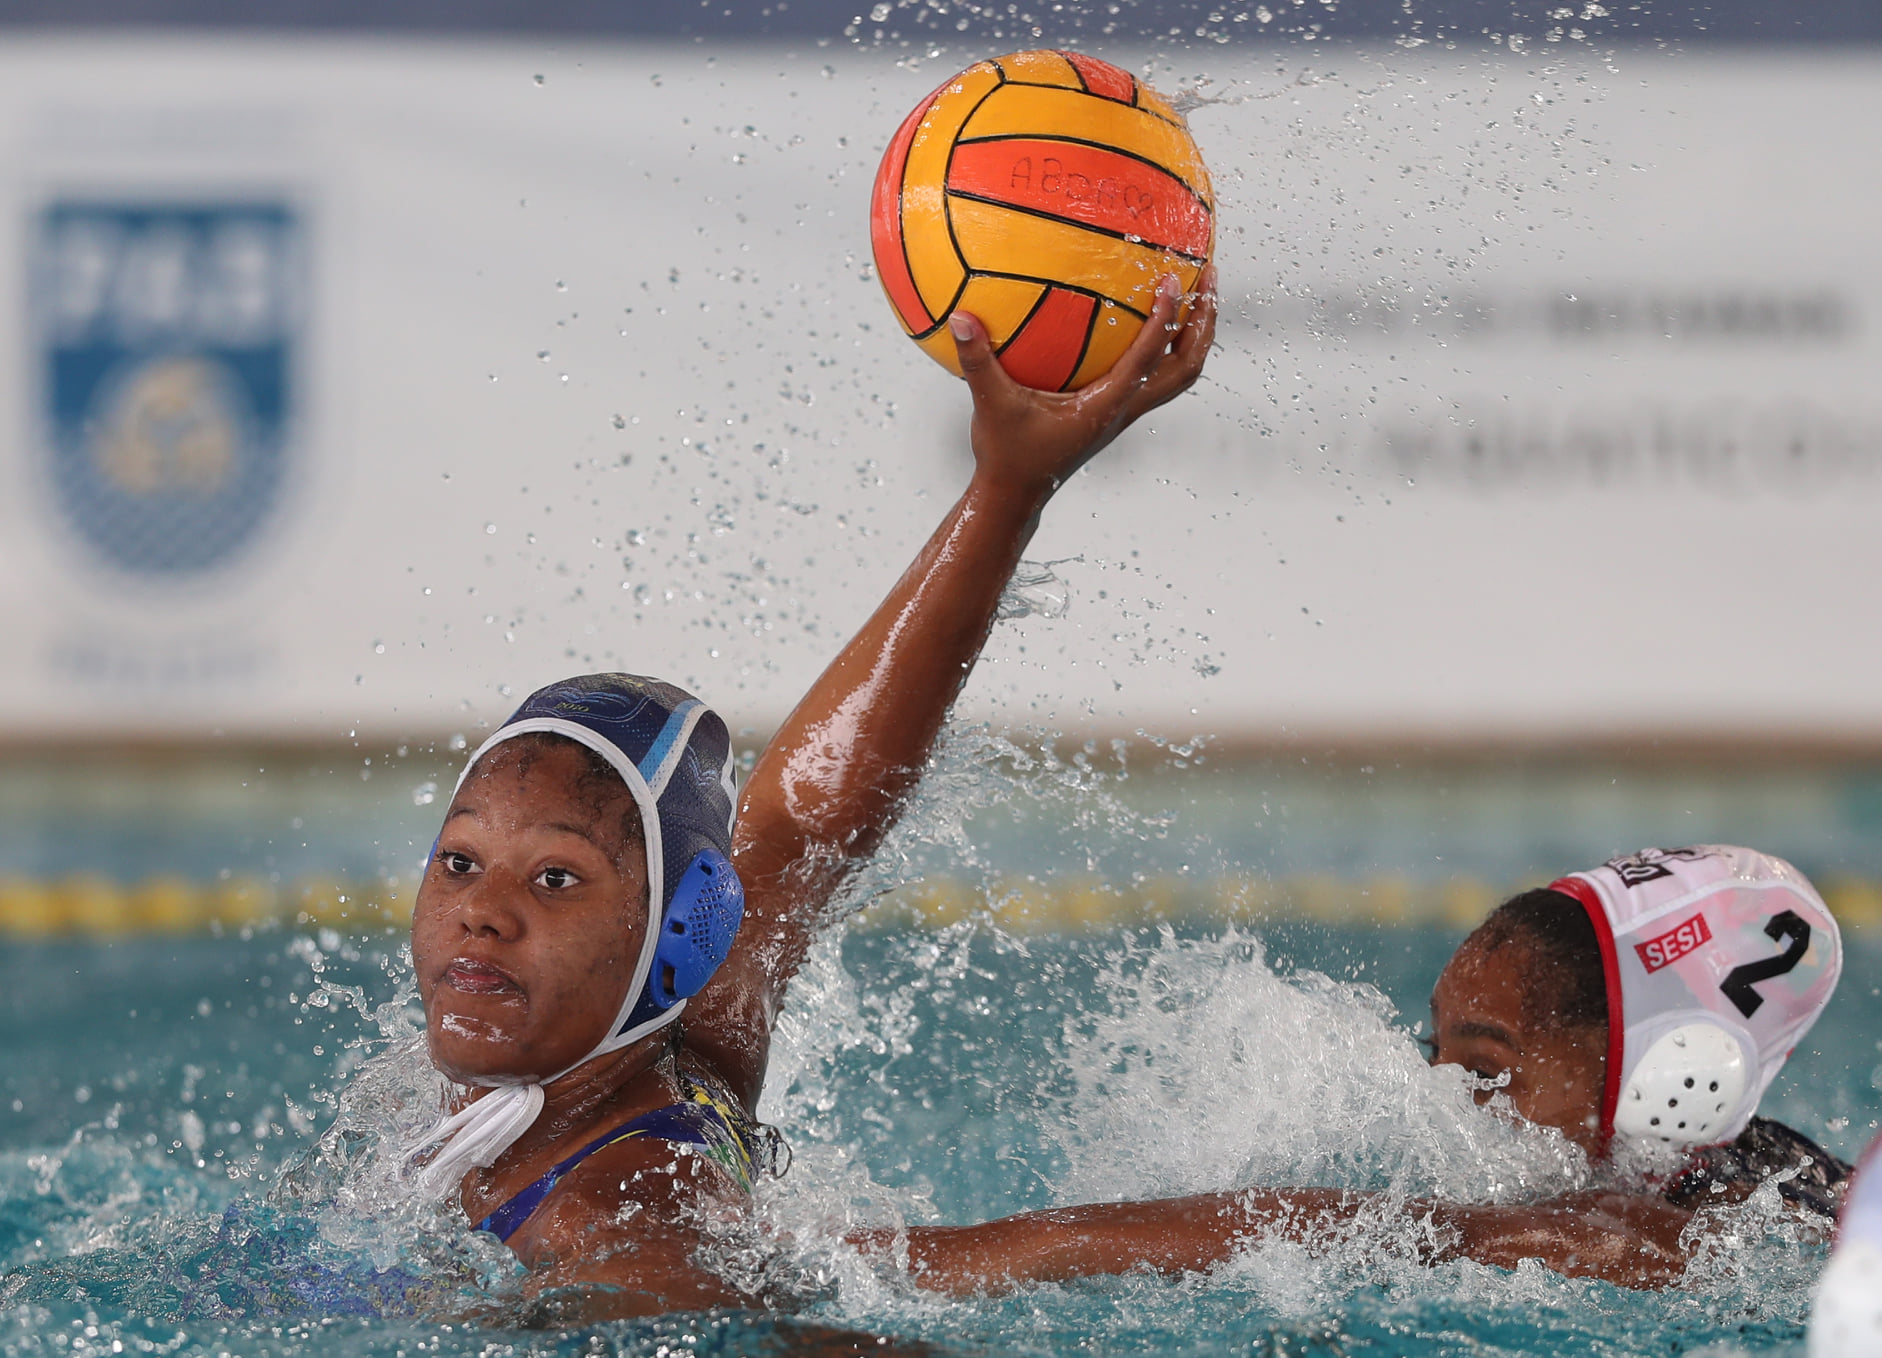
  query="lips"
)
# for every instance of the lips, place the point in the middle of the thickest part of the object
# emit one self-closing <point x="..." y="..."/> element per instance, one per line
<point x="472" y="977"/>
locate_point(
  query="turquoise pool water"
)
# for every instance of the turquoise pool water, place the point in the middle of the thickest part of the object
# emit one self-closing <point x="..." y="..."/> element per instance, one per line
<point x="156" y="1088"/>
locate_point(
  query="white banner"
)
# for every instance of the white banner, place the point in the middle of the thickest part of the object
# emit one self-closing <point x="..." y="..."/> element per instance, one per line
<point x="362" y="387"/>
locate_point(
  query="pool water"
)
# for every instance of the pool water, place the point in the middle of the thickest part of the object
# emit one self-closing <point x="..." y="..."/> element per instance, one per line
<point x="156" y="1088"/>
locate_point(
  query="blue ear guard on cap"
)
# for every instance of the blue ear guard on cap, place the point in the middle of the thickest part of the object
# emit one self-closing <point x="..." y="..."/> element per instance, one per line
<point x="701" y="921"/>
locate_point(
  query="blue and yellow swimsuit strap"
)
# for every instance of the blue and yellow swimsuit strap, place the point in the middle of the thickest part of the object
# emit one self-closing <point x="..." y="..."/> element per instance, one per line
<point x="746" y="1146"/>
<point x="710" y="1121"/>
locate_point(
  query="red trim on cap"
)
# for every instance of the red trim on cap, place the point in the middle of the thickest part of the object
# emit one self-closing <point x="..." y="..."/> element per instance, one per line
<point x="1584" y="891"/>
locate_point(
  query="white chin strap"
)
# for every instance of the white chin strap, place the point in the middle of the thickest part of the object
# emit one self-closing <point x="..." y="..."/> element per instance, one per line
<point x="475" y="1136"/>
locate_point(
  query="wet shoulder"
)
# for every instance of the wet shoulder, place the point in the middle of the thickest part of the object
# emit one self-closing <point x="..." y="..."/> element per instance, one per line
<point x="622" y="1191"/>
<point x="1730" y="1173"/>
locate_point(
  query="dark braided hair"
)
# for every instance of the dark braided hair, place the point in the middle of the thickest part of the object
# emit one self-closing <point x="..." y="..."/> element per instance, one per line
<point x="1568" y="988"/>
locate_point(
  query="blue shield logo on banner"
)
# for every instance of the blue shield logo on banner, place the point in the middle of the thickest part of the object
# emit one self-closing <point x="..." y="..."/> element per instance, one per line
<point x="166" y="338"/>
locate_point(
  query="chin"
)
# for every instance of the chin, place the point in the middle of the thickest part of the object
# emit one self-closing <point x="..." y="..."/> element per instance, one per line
<point x="469" y="1049"/>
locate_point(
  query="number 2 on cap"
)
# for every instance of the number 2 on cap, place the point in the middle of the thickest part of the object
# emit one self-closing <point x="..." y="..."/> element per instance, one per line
<point x="1739" y="983"/>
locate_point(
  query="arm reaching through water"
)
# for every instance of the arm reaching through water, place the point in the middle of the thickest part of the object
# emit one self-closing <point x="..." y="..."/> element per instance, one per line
<point x="1629" y="1239"/>
<point x="837" y="775"/>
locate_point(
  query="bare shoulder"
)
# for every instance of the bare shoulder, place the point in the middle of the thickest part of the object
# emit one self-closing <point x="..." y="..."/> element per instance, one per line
<point x="630" y="1220"/>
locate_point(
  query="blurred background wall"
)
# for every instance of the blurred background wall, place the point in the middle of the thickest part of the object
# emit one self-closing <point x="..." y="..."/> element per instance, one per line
<point x="362" y="369"/>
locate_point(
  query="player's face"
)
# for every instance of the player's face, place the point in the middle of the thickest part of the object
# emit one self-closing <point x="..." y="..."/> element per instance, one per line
<point x="1477" y="1021"/>
<point x="529" y="919"/>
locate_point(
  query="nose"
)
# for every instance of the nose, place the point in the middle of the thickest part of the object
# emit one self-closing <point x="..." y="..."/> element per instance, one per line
<point x="491" y="906"/>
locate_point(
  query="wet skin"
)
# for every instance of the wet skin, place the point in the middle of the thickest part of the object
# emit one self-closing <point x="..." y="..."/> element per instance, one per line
<point x="525" y="933"/>
<point x="834" y="779"/>
<point x="1479" y="1020"/>
<point x="529" y="918"/>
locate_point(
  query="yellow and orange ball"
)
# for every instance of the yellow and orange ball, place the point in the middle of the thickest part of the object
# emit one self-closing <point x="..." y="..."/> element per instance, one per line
<point x="1045" y="192"/>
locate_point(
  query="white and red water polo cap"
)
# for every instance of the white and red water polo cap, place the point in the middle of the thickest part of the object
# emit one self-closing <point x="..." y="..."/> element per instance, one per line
<point x="1718" y="960"/>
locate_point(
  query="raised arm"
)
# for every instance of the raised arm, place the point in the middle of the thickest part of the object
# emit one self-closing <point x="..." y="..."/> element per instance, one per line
<point x="1627" y="1238"/>
<point x="836" y="776"/>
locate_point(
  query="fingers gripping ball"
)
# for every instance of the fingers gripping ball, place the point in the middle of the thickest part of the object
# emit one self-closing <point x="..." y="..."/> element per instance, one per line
<point x="698" y="929"/>
<point x="1046" y="193"/>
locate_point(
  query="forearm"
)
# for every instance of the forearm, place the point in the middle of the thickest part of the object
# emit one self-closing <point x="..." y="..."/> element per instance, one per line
<point x="837" y="770"/>
<point x="1629" y="1239"/>
<point x="834" y="779"/>
<point x="1172" y="1235"/>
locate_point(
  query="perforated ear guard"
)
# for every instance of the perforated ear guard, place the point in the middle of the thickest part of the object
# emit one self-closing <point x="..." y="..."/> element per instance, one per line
<point x="1687" y="1086"/>
<point x="697" y="930"/>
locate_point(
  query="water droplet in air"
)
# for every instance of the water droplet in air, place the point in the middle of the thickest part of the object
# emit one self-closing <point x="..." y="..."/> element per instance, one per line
<point x="424" y="794"/>
<point x="1035" y="591"/>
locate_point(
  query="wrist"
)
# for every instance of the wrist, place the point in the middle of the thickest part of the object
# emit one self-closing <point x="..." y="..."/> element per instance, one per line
<point x="1006" y="497"/>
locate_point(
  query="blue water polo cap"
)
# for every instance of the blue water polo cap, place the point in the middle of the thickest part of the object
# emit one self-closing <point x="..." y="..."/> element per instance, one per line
<point x="675" y="755"/>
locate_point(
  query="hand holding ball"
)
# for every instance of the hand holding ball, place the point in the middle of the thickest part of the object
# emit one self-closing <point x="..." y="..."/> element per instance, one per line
<point x="1046" y="193"/>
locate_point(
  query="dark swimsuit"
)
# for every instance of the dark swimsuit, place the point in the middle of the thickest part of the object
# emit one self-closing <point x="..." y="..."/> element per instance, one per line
<point x="709" y="1122"/>
<point x="1764" y="1148"/>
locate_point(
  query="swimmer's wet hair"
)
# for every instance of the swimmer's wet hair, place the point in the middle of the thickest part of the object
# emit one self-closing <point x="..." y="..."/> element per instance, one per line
<point x="1569" y="989"/>
<point x="598" y="782"/>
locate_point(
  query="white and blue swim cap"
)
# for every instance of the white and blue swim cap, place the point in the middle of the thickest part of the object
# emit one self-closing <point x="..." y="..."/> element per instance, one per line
<point x="675" y="756"/>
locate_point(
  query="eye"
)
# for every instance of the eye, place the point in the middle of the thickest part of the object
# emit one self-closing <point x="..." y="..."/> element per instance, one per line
<point x="556" y="879"/>
<point x="457" y="864"/>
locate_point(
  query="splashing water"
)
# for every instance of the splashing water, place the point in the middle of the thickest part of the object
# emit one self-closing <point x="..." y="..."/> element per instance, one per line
<point x="976" y="1074"/>
<point x="1035" y="591"/>
<point x="921" y="1074"/>
<point x="1310" y="1083"/>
